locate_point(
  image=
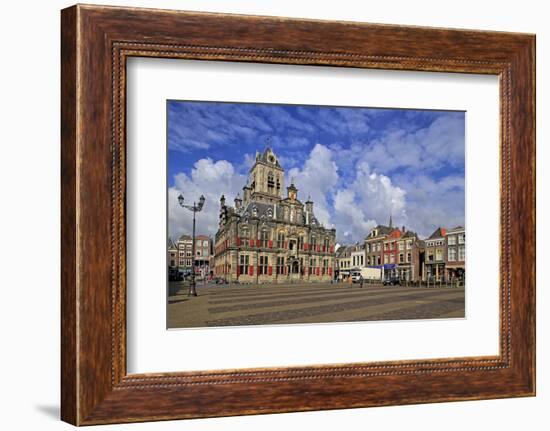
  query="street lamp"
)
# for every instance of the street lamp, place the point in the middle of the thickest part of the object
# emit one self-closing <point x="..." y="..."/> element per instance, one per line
<point x="195" y="208"/>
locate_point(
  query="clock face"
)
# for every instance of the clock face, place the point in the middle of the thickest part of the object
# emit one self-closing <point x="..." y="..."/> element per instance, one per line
<point x="271" y="159"/>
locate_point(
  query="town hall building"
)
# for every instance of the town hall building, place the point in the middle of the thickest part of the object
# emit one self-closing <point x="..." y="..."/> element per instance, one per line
<point x="268" y="238"/>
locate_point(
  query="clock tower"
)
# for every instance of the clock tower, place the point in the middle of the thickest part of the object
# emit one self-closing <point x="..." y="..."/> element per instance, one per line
<point x="266" y="178"/>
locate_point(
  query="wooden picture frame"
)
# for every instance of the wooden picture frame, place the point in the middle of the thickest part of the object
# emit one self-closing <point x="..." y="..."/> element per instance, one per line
<point x="95" y="43"/>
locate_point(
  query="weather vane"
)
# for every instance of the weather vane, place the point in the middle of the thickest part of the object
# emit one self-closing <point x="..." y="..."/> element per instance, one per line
<point x="268" y="141"/>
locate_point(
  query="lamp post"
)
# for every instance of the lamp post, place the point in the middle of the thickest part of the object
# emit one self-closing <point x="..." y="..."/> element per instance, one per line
<point x="195" y="208"/>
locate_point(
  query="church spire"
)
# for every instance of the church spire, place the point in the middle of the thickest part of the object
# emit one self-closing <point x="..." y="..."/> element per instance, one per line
<point x="391" y="221"/>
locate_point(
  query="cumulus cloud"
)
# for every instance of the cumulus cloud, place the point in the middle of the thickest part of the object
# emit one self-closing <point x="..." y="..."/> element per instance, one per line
<point x="317" y="179"/>
<point x="211" y="179"/>
<point x="366" y="201"/>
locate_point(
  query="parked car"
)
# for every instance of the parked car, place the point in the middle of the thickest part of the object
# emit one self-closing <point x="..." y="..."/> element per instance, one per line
<point x="393" y="281"/>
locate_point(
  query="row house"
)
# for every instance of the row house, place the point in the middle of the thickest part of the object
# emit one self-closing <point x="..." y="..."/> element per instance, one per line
<point x="180" y="254"/>
<point x="390" y="255"/>
<point x="410" y="257"/>
<point x="343" y="261"/>
<point x="435" y="252"/>
<point x="374" y="246"/>
<point x="456" y="253"/>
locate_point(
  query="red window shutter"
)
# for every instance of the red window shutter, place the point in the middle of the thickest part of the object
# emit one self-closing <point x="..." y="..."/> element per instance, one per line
<point x="238" y="271"/>
<point x="270" y="244"/>
<point x="318" y="249"/>
<point x="257" y="243"/>
<point x="258" y="269"/>
<point x="332" y="249"/>
<point x="269" y="270"/>
<point x="251" y="242"/>
<point x="330" y="271"/>
<point x="318" y="270"/>
<point x="251" y="270"/>
<point x="238" y="241"/>
<point x="306" y="246"/>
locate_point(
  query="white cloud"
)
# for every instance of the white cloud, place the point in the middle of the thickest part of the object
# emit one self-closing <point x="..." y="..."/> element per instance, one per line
<point x="366" y="201"/>
<point x="317" y="179"/>
<point x="352" y="204"/>
<point x="211" y="179"/>
<point x="439" y="144"/>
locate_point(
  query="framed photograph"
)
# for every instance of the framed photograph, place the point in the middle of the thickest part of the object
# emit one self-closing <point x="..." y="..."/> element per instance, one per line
<point x="263" y="214"/>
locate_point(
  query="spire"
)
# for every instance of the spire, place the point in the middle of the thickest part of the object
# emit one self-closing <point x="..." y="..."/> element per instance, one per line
<point x="391" y="221"/>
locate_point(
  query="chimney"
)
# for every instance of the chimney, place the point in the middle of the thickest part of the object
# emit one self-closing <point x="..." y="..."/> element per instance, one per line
<point x="222" y="201"/>
<point x="403" y="229"/>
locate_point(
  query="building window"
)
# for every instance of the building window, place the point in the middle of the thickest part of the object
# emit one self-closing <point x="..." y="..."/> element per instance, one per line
<point x="300" y="243"/>
<point x="264" y="238"/>
<point x="311" y="268"/>
<point x="378" y="260"/>
<point x="313" y="242"/>
<point x="392" y="258"/>
<point x="439" y="254"/>
<point x="462" y="238"/>
<point x="280" y="265"/>
<point x="409" y="244"/>
<point x="325" y="266"/>
<point x="262" y="268"/>
<point x="401" y="257"/>
<point x="430" y="257"/>
<point x="451" y="239"/>
<point x="280" y="240"/>
<point x="326" y="244"/>
<point x="408" y="257"/>
<point x="452" y="254"/>
<point x="401" y="246"/>
<point x="270" y="181"/>
<point x="461" y="253"/>
<point x="368" y="248"/>
<point x="243" y="264"/>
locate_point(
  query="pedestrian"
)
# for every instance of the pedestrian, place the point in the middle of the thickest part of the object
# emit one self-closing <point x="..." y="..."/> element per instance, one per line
<point x="361" y="281"/>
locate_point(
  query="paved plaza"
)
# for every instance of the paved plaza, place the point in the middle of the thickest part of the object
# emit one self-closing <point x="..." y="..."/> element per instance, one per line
<point x="236" y="305"/>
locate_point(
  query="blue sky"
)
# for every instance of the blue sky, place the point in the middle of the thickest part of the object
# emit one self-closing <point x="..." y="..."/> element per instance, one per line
<point x="359" y="164"/>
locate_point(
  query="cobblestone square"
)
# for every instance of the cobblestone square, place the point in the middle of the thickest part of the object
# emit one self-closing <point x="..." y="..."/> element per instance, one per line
<point x="269" y="304"/>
